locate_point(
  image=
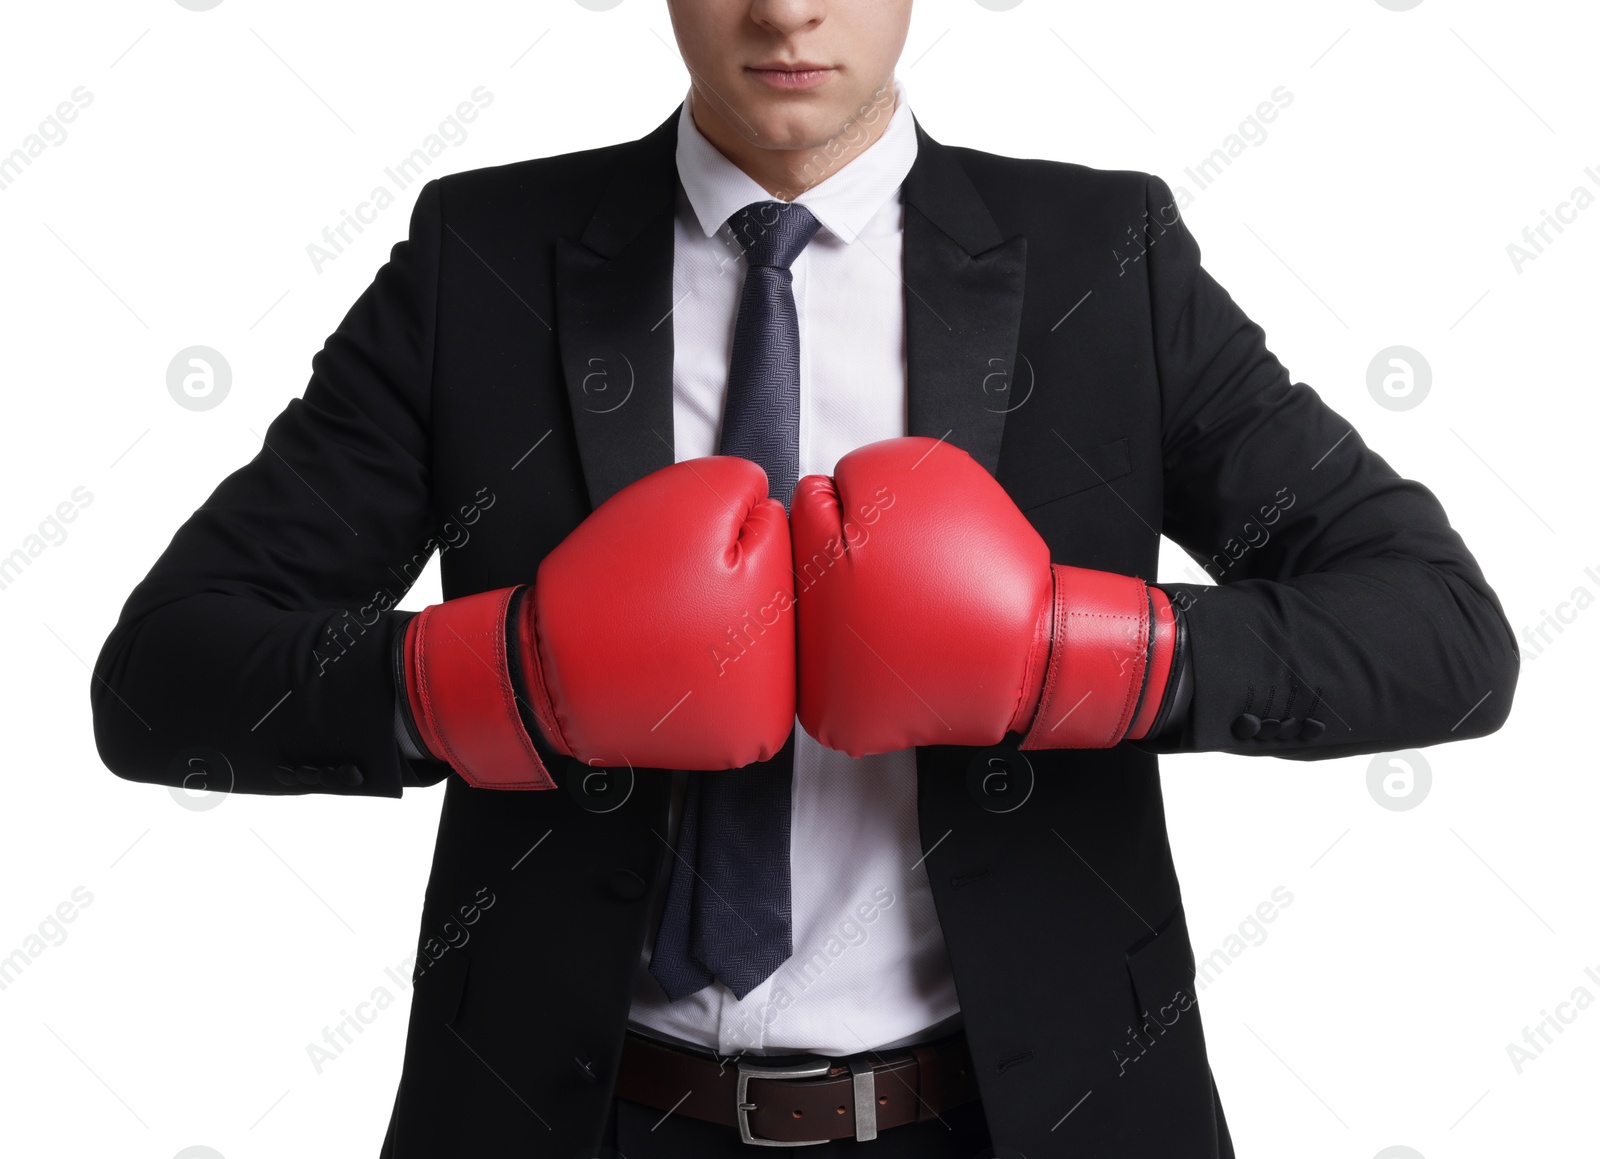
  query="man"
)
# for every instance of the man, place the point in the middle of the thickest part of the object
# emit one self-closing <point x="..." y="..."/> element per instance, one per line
<point x="940" y="913"/>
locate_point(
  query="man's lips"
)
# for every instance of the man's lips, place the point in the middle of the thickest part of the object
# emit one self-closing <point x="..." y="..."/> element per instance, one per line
<point x="803" y="74"/>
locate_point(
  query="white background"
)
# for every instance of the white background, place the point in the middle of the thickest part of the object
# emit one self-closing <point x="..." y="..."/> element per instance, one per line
<point x="219" y="942"/>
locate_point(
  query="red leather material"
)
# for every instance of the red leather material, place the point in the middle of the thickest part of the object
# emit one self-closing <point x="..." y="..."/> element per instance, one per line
<point x="930" y="613"/>
<point x="1159" y="667"/>
<point x="459" y="686"/>
<point x="533" y="677"/>
<point x="664" y="623"/>
<point x="1097" y="662"/>
<point x="923" y="600"/>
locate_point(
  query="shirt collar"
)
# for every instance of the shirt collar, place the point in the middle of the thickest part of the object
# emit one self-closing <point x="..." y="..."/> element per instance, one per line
<point x="844" y="201"/>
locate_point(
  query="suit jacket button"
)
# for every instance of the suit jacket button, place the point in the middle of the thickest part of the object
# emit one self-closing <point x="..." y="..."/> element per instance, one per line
<point x="284" y="775"/>
<point x="1269" y="728"/>
<point x="308" y="774"/>
<point x="626" y="884"/>
<point x="1246" y="725"/>
<point x="1312" y="729"/>
<point x="1289" y="728"/>
<point x="342" y="777"/>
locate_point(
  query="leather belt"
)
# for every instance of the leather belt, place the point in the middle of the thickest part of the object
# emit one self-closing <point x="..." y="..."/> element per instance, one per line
<point x="810" y="1101"/>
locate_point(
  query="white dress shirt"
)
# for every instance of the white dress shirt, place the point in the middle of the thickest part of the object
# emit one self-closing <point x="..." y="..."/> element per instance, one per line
<point x="869" y="968"/>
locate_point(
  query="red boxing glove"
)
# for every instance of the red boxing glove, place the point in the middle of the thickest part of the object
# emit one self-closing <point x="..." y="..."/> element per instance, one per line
<point x="655" y="635"/>
<point x="929" y="613"/>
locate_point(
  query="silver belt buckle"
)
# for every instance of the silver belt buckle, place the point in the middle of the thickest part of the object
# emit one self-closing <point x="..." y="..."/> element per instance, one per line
<point x="743" y="1106"/>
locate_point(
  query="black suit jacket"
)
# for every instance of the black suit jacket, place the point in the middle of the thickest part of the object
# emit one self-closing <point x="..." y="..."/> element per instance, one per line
<point x="511" y="366"/>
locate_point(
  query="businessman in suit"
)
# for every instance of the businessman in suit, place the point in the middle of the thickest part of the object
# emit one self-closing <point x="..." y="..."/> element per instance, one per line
<point x="788" y="407"/>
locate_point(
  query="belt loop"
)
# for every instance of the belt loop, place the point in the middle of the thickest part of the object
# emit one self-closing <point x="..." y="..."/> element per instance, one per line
<point x="865" y="1089"/>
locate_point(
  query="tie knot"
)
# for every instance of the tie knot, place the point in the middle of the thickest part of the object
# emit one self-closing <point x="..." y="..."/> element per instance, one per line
<point x="772" y="233"/>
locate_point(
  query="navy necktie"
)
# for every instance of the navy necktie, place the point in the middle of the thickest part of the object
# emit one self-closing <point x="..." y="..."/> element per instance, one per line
<point x="728" y="905"/>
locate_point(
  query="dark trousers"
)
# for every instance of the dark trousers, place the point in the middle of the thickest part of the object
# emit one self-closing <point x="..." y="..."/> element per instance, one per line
<point x="640" y="1132"/>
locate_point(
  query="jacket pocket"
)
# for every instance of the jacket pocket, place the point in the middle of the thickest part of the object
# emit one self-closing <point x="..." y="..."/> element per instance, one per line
<point x="1162" y="971"/>
<point x="1163" y="1061"/>
<point x="1042" y="479"/>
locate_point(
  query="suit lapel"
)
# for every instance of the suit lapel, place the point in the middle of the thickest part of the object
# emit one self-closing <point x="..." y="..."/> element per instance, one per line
<point x="613" y="318"/>
<point x="963" y="291"/>
<point x="963" y="298"/>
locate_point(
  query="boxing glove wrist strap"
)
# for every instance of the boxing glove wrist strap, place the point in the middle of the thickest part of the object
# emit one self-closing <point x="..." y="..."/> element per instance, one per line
<point x="1170" y="728"/>
<point x="1158" y="666"/>
<point x="527" y="672"/>
<point x="467" y="679"/>
<point x="1111" y="650"/>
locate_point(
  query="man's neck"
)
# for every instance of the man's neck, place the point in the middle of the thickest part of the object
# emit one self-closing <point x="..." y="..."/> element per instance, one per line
<point x="787" y="173"/>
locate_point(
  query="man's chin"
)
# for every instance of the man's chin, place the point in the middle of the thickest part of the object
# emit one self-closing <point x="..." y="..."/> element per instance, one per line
<point x="793" y="126"/>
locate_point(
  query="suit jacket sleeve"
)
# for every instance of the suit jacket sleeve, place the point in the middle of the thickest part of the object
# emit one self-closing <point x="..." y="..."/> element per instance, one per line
<point x="1343" y="594"/>
<point x="263" y="631"/>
